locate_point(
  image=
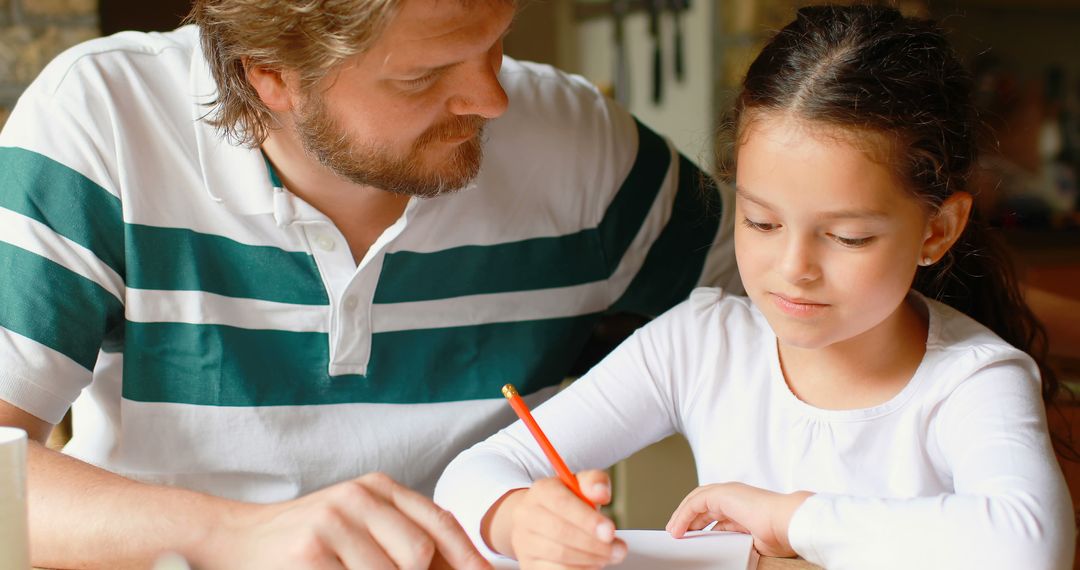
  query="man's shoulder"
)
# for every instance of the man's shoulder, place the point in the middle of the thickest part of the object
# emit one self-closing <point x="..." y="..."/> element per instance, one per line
<point x="109" y="111"/>
<point x="157" y="53"/>
<point x="525" y="78"/>
<point x="544" y="95"/>
<point x="560" y="118"/>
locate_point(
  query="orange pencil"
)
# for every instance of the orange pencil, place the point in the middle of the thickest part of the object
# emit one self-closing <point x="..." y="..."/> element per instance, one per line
<point x="522" y="412"/>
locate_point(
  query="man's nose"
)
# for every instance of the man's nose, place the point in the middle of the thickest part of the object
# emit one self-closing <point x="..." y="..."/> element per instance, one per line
<point x="481" y="93"/>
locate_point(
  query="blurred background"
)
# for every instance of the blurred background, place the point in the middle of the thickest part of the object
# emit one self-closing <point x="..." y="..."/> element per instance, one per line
<point x="676" y="65"/>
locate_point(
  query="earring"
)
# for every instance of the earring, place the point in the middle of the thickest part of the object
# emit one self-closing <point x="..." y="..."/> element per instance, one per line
<point x="926" y="261"/>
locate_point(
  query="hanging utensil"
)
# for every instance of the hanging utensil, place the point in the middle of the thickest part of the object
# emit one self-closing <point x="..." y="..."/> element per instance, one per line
<point x="655" y="7"/>
<point x="619" y="9"/>
<point x="677" y="9"/>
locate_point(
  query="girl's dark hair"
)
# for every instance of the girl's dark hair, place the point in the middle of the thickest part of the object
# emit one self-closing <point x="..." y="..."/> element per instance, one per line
<point x="869" y="70"/>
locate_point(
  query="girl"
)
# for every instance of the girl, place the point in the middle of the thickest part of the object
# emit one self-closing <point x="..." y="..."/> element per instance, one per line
<point x="863" y="406"/>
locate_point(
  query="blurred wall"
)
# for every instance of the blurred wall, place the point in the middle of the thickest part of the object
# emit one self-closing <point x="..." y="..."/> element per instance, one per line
<point x="685" y="114"/>
<point x="1033" y="38"/>
<point x="32" y="32"/>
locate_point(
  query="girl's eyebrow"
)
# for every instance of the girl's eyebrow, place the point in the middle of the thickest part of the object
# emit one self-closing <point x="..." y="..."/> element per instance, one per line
<point x="859" y="213"/>
<point x="862" y="214"/>
<point x="742" y="193"/>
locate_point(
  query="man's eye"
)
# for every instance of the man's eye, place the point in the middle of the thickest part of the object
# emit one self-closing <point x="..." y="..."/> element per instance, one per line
<point x="417" y="83"/>
<point x="759" y="226"/>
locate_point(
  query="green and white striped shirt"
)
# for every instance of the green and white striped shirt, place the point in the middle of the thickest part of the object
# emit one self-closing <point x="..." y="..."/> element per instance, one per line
<point x="220" y="333"/>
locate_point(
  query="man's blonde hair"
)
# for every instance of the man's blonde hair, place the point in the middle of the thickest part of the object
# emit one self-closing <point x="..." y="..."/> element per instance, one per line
<point x="307" y="37"/>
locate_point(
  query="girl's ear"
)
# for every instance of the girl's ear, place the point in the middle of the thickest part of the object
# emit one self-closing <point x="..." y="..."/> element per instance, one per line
<point x="274" y="86"/>
<point x="945" y="226"/>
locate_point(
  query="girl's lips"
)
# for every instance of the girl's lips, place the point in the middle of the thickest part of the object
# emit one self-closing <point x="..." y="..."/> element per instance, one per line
<point x="797" y="306"/>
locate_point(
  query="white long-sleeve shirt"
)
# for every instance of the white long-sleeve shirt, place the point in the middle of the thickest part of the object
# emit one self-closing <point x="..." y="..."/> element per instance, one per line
<point x="955" y="471"/>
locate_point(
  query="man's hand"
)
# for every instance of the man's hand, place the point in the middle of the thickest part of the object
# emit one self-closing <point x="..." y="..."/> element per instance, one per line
<point x="547" y="526"/>
<point x="369" y="522"/>
<point x="740" y="508"/>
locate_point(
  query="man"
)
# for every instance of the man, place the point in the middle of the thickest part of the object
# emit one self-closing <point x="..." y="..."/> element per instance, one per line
<point x="303" y="243"/>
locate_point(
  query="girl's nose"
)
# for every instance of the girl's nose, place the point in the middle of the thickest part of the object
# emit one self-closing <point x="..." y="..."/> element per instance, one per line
<point x="798" y="263"/>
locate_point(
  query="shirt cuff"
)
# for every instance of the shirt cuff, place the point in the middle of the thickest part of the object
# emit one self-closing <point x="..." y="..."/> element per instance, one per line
<point x="469" y="502"/>
<point x="32" y="398"/>
<point x="801" y="529"/>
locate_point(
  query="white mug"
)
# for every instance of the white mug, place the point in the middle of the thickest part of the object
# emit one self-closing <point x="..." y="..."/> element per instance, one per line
<point x="14" y="538"/>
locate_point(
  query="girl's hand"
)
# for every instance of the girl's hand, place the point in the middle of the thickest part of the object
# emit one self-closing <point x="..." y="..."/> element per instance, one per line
<point x="547" y="526"/>
<point x="740" y="508"/>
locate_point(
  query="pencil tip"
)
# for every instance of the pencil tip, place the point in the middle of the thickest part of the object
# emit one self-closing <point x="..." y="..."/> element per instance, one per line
<point x="509" y="391"/>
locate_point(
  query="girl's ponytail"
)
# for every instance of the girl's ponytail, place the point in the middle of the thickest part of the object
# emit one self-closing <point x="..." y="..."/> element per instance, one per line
<point x="977" y="278"/>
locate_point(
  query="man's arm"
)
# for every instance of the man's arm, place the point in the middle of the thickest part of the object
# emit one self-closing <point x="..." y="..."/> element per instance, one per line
<point x="85" y="517"/>
<point x="82" y="516"/>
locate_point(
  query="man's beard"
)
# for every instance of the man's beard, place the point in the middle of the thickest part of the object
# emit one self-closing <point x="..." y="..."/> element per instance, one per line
<point x="367" y="165"/>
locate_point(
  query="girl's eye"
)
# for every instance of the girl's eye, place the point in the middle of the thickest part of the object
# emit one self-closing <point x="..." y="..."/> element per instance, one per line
<point x="759" y="226"/>
<point x="852" y="242"/>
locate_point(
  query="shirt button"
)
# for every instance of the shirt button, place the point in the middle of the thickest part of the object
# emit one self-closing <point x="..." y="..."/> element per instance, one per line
<point x="324" y="242"/>
<point x="350" y="303"/>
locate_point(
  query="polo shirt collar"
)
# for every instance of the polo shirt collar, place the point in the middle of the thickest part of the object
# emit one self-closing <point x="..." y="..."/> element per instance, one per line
<point x="234" y="176"/>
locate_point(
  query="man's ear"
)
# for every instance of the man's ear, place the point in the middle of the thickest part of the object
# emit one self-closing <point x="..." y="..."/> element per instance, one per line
<point x="272" y="85"/>
<point x="946" y="225"/>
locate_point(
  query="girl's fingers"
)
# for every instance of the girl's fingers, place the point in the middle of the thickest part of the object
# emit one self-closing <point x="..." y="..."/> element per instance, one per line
<point x="543" y="547"/>
<point x="695" y="497"/>
<point x="549" y="535"/>
<point x="730" y="525"/>
<point x="696" y="505"/>
<point x="701" y="521"/>
<point x="596" y="485"/>
<point x="683" y="518"/>
<point x="698" y="522"/>
<point x="545" y="565"/>
<point x="554" y="497"/>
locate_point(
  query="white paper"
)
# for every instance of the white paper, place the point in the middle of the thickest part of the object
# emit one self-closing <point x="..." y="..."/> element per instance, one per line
<point x="14" y="540"/>
<point x="701" y="550"/>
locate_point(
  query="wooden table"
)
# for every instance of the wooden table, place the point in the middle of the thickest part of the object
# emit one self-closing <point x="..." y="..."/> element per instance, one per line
<point x="767" y="563"/>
